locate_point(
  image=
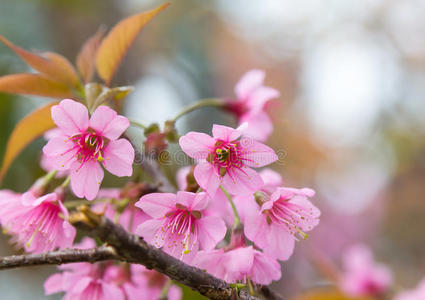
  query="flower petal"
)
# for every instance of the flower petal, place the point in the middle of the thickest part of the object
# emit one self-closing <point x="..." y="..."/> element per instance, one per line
<point x="86" y="179"/>
<point x="192" y="201"/>
<point x="106" y="122"/>
<point x="53" y="284"/>
<point x="256" y="154"/>
<point x="260" y="127"/>
<point x="196" y="145"/>
<point x="157" y="204"/>
<point x="119" y="157"/>
<point x="60" y="153"/>
<point x="250" y="81"/>
<point x="211" y="231"/>
<point x="206" y="178"/>
<point x="242" y="181"/>
<point x="260" y="96"/>
<point x="224" y="133"/>
<point x="70" y="116"/>
<point x="280" y="243"/>
<point x="148" y="230"/>
<point x="271" y="178"/>
<point x="264" y="269"/>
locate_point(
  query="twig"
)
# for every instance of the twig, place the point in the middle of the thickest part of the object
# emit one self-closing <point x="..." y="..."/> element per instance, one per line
<point x="58" y="257"/>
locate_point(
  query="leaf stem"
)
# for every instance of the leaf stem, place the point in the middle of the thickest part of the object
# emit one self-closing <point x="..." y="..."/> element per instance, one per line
<point x="209" y="102"/>
<point x="237" y="220"/>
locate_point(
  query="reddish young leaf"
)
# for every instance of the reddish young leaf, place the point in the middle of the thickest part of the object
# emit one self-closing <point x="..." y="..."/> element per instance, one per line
<point x="86" y="58"/>
<point x="52" y="65"/>
<point x="116" y="44"/>
<point x="27" y="130"/>
<point x="34" y="84"/>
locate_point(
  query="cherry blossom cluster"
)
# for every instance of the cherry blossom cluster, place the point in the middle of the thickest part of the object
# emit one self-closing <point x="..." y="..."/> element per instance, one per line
<point x="227" y="218"/>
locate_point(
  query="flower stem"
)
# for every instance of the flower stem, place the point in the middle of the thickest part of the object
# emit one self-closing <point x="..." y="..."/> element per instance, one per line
<point x="137" y="124"/>
<point x="237" y="220"/>
<point x="165" y="289"/>
<point x="66" y="182"/>
<point x="213" y="102"/>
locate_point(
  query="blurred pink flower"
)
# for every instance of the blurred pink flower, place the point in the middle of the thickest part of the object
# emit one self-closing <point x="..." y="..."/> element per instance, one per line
<point x="238" y="264"/>
<point x="252" y="97"/>
<point x="88" y="145"/>
<point x="226" y="159"/>
<point x="416" y="294"/>
<point x="217" y="207"/>
<point x="284" y="215"/>
<point x="36" y="223"/>
<point x="362" y="276"/>
<point x="179" y="224"/>
<point x="129" y="219"/>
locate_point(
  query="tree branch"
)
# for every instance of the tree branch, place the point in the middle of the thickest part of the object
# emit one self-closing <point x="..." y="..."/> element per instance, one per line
<point x="58" y="257"/>
<point x="133" y="249"/>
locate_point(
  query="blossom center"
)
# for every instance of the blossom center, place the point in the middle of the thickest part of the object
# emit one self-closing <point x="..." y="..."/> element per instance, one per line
<point x="294" y="217"/>
<point x="89" y="146"/>
<point x="179" y="228"/>
<point x="226" y="156"/>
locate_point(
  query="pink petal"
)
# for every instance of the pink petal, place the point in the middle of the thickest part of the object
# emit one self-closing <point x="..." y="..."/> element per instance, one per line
<point x="211" y="231"/>
<point x="224" y="133"/>
<point x="86" y="179"/>
<point x="206" y="178"/>
<point x="280" y="243"/>
<point x="271" y="178"/>
<point x="53" y="284"/>
<point x="71" y="117"/>
<point x="81" y="284"/>
<point x="256" y="154"/>
<point x="249" y="82"/>
<point x="255" y="228"/>
<point x="60" y="153"/>
<point x="264" y="269"/>
<point x="119" y="157"/>
<point x="243" y="181"/>
<point x="181" y="177"/>
<point x="157" y="204"/>
<point x="175" y="293"/>
<point x="112" y="292"/>
<point x="196" y="145"/>
<point x="106" y="122"/>
<point x="260" y="96"/>
<point x="260" y="127"/>
<point x="192" y="201"/>
<point x="148" y="231"/>
<point x="239" y="262"/>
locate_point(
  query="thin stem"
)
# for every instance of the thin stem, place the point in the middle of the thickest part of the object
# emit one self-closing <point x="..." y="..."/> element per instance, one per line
<point x="213" y="102"/>
<point x="237" y="220"/>
<point x="137" y="124"/>
<point x="66" y="182"/>
<point x="165" y="289"/>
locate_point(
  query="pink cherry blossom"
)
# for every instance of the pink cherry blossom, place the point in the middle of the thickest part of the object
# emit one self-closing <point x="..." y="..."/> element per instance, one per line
<point x="89" y="143"/>
<point x="237" y="264"/>
<point x="362" y="275"/>
<point x="219" y="207"/>
<point x="252" y="97"/>
<point x="416" y="294"/>
<point x="226" y="159"/>
<point x="179" y="223"/>
<point x="36" y="223"/>
<point x="283" y="216"/>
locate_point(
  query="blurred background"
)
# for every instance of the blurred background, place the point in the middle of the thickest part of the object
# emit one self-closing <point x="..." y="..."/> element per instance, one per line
<point x="350" y="118"/>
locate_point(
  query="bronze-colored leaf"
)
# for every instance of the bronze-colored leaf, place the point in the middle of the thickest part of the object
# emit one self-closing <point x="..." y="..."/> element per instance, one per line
<point x="116" y="44"/>
<point x="27" y="130"/>
<point x="86" y="58"/>
<point x="52" y="65"/>
<point x="34" y="84"/>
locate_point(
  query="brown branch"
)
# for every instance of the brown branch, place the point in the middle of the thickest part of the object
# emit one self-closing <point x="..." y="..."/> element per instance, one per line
<point x="133" y="249"/>
<point x="58" y="257"/>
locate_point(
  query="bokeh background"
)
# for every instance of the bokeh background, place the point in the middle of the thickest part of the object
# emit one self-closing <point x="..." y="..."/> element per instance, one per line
<point x="350" y="118"/>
